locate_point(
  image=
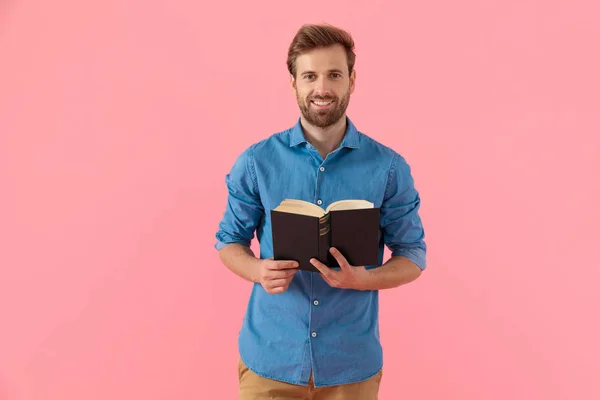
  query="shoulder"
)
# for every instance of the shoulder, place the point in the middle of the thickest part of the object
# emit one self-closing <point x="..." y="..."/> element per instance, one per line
<point x="396" y="166"/>
<point x="255" y="155"/>
<point x="274" y="141"/>
<point x="385" y="152"/>
<point x="249" y="159"/>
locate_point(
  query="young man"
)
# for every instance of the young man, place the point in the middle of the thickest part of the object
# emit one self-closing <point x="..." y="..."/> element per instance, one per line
<point x="310" y="335"/>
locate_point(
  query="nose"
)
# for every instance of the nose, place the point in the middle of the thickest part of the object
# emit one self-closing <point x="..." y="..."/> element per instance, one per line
<point x="322" y="86"/>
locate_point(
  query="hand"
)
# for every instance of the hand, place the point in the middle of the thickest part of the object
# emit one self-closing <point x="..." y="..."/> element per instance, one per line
<point x="275" y="276"/>
<point x="348" y="277"/>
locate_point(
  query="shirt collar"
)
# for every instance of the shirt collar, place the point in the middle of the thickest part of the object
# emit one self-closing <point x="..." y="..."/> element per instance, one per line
<point x="351" y="137"/>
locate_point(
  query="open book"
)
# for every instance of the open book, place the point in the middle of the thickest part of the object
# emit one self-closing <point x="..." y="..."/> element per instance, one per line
<point x="302" y="230"/>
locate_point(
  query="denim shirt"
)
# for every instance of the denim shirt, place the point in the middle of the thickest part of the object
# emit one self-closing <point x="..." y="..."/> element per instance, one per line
<point x="312" y="327"/>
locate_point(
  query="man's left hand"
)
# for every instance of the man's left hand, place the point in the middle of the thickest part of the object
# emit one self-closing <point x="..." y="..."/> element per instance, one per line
<point x="348" y="277"/>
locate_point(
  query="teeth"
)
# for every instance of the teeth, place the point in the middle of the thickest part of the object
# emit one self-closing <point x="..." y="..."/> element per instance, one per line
<point x="321" y="103"/>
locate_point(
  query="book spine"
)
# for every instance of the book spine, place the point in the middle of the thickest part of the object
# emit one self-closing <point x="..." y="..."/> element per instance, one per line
<point x="324" y="238"/>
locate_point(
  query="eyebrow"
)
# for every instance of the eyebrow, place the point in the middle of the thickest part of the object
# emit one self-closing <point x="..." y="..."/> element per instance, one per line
<point x="339" y="71"/>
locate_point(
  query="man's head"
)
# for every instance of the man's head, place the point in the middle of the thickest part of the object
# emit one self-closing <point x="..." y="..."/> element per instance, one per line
<point x="321" y="66"/>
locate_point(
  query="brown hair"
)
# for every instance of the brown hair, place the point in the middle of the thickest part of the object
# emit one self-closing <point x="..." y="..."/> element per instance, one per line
<point x="312" y="36"/>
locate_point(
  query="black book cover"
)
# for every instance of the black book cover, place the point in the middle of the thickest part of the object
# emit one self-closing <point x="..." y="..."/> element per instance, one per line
<point x="355" y="233"/>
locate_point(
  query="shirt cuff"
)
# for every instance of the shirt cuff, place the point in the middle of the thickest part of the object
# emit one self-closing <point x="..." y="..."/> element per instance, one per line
<point x="415" y="254"/>
<point x="219" y="244"/>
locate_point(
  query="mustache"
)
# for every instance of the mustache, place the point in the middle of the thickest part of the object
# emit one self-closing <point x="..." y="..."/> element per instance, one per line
<point x="327" y="98"/>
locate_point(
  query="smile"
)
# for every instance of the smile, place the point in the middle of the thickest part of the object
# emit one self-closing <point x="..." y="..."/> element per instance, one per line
<point x="321" y="103"/>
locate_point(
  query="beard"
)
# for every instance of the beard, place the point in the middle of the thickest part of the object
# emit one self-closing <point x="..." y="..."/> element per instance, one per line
<point x="323" y="118"/>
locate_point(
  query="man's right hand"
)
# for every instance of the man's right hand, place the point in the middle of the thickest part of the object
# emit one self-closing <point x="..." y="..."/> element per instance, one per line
<point x="275" y="276"/>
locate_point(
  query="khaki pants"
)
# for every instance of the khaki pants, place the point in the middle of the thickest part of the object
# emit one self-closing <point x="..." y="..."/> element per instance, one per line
<point x="255" y="387"/>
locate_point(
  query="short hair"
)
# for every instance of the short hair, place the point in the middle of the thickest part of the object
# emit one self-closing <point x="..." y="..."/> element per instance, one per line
<point x="313" y="36"/>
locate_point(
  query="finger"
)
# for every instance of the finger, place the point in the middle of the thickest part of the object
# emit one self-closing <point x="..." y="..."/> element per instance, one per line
<point x="276" y="283"/>
<point x="344" y="265"/>
<point x="331" y="281"/>
<point x="277" y="290"/>
<point x="282" y="264"/>
<point x="324" y="269"/>
<point x="280" y="274"/>
<point x="328" y="280"/>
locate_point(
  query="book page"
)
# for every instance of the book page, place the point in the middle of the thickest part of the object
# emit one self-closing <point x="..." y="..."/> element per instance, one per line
<point x="300" y="211"/>
<point x="349" y="205"/>
<point x="296" y="202"/>
<point x="300" y="207"/>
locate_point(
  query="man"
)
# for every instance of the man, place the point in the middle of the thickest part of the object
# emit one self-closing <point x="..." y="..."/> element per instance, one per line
<point x="310" y="335"/>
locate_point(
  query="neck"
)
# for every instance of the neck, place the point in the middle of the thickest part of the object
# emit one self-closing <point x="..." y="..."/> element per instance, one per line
<point x="325" y="140"/>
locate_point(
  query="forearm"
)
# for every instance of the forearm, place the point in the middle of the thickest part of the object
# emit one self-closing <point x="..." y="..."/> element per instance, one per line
<point x="241" y="261"/>
<point x="395" y="272"/>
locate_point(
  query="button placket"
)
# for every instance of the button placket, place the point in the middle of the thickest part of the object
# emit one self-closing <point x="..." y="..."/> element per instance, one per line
<point x="319" y="179"/>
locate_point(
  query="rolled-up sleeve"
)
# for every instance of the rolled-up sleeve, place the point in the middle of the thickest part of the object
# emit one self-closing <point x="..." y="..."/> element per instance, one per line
<point x="244" y="210"/>
<point x="403" y="231"/>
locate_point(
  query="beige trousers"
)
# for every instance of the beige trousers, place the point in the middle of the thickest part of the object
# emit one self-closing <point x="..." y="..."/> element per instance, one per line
<point x="255" y="387"/>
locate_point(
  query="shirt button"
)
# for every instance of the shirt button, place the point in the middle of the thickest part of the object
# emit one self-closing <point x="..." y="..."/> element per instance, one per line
<point x="319" y="202"/>
<point x="322" y="169"/>
<point x="316" y="302"/>
<point x="314" y="334"/>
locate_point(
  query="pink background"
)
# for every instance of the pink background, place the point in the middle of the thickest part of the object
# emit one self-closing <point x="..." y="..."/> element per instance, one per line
<point x="119" y="120"/>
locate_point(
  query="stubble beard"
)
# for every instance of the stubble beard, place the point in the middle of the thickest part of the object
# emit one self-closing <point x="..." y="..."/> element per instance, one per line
<point x="324" y="118"/>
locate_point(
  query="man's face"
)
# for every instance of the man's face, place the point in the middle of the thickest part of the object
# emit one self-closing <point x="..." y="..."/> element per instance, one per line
<point x="323" y="85"/>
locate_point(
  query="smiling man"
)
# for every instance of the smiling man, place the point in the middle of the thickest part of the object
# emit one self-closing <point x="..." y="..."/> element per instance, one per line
<point x="309" y="335"/>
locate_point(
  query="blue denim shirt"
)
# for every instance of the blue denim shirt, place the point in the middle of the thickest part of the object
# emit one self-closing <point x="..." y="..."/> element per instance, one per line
<point x="313" y="327"/>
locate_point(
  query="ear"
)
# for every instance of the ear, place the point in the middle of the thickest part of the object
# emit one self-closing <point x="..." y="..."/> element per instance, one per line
<point x="292" y="82"/>
<point x="352" y="81"/>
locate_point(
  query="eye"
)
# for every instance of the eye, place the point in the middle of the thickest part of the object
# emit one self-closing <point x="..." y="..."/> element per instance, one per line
<point x="336" y="75"/>
<point x="308" y="76"/>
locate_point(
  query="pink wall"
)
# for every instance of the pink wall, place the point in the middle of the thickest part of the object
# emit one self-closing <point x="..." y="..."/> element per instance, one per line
<point x="119" y="120"/>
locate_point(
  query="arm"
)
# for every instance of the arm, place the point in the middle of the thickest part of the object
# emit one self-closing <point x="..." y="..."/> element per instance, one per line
<point x="240" y="260"/>
<point x="273" y="276"/>
<point x="395" y="272"/>
<point x="402" y="232"/>
<point x="242" y="215"/>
